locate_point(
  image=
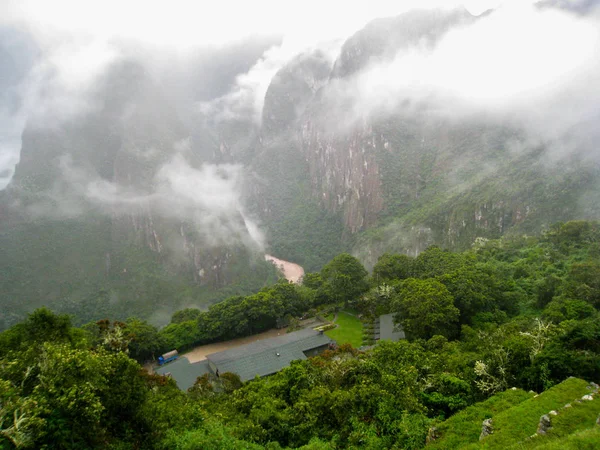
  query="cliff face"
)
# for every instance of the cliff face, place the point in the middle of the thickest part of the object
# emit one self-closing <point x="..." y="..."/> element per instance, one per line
<point x="100" y="219"/>
<point x="408" y="177"/>
<point x="110" y="206"/>
<point x="344" y="173"/>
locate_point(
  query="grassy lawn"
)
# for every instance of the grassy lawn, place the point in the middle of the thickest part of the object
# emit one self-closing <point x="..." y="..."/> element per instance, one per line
<point x="349" y="330"/>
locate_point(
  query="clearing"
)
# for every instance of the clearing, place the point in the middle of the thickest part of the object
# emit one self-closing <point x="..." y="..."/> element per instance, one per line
<point x="199" y="353"/>
<point x="349" y="330"/>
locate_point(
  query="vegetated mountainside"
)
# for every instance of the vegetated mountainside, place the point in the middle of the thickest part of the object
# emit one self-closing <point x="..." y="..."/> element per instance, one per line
<point x="300" y="228"/>
<point x="405" y="177"/>
<point x="83" y="226"/>
<point x="323" y="175"/>
<point x="486" y="330"/>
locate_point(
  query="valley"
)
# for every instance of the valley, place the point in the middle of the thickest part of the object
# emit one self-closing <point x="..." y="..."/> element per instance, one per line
<point x="148" y="203"/>
<point x="299" y="225"/>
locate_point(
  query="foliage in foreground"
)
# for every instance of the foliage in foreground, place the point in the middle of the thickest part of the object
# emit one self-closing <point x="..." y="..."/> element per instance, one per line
<point x="517" y="313"/>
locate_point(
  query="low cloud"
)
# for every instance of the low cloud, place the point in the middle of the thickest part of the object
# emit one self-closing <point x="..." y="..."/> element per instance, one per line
<point x="512" y="65"/>
<point x="208" y="198"/>
<point x="535" y="66"/>
<point x="77" y="41"/>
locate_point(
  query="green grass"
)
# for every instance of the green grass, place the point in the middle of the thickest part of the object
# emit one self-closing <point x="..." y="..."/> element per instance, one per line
<point x="464" y="427"/>
<point x="569" y="421"/>
<point x="582" y="440"/>
<point x="518" y="423"/>
<point x="349" y="330"/>
<point x="515" y="416"/>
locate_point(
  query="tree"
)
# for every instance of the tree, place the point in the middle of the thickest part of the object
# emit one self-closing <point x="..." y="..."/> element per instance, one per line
<point x="392" y="267"/>
<point x="313" y="289"/>
<point x="41" y="325"/>
<point x="434" y="262"/>
<point x="345" y="278"/>
<point x="146" y="342"/>
<point x="185" y="315"/>
<point x="426" y="308"/>
<point x="289" y="296"/>
<point x="114" y="338"/>
<point x="71" y="398"/>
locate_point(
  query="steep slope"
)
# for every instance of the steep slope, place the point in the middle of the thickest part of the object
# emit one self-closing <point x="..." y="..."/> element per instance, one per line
<point x="515" y="417"/>
<point x="411" y="175"/>
<point x="300" y="228"/>
<point x="105" y="218"/>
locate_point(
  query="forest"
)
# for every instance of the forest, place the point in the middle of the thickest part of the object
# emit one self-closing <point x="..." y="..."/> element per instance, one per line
<point x="519" y="312"/>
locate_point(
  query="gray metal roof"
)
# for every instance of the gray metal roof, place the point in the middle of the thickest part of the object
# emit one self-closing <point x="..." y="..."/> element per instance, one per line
<point x="183" y="372"/>
<point x="389" y="330"/>
<point x="268" y="356"/>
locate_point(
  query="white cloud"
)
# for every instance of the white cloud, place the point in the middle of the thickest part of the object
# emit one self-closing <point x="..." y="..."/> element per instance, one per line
<point x="208" y="197"/>
<point x="79" y="39"/>
<point x="512" y="64"/>
<point x="508" y="61"/>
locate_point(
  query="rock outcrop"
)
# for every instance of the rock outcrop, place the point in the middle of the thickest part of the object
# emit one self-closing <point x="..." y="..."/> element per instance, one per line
<point x="486" y="429"/>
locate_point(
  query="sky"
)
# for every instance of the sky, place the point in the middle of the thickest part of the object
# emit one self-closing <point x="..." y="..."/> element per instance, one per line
<point x="77" y="40"/>
<point x="184" y="23"/>
<point x="509" y="61"/>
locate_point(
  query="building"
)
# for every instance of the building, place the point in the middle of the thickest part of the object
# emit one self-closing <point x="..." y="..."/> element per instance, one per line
<point x="260" y="358"/>
<point x="388" y="329"/>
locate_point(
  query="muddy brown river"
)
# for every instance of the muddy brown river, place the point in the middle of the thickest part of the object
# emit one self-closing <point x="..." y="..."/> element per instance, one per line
<point x="292" y="272"/>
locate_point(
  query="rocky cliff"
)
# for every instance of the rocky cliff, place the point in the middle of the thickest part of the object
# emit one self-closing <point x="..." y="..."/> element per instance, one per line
<point x="409" y="176"/>
<point x="112" y="213"/>
<point x="107" y="212"/>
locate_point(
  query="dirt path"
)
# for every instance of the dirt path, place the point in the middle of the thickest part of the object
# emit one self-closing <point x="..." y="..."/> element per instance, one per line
<point x="199" y="353"/>
<point x="292" y="272"/>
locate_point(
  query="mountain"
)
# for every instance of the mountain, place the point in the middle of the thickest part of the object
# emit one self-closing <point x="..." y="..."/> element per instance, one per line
<point x="408" y="176"/>
<point x="92" y="223"/>
<point x="155" y="196"/>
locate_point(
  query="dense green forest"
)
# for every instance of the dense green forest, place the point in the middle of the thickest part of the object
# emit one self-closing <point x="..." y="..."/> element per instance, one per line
<point x="518" y="312"/>
<point x="73" y="268"/>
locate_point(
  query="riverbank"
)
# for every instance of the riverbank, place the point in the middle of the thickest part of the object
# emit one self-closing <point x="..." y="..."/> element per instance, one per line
<point x="292" y="272"/>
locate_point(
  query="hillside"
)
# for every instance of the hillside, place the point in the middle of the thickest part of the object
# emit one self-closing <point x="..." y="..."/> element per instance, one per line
<point x="402" y="177"/>
<point x="516" y="417"/>
<point x="484" y="329"/>
<point x="99" y="219"/>
<point x="169" y="181"/>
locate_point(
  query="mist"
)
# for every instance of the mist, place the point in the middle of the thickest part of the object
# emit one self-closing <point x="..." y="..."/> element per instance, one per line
<point x="187" y="45"/>
<point x="511" y="65"/>
<point x="207" y="197"/>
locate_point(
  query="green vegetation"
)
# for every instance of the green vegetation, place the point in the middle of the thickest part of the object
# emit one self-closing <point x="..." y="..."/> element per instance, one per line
<point x="345" y="278"/>
<point x="518" y="423"/>
<point x="571" y="420"/>
<point x="515" y="416"/>
<point x="439" y="181"/>
<point x="76" y="267"/>
<point x="348" y="331"/>
<point x="300" y="229"/>
<point x="465" y="426"/>
<point x="519" y="312"/>
<point x="582" y="440"/>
